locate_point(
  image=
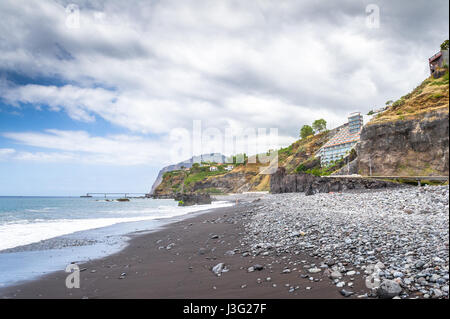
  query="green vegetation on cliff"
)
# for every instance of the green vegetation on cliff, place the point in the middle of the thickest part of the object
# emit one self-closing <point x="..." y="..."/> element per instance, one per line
<point x="431" y="95"/>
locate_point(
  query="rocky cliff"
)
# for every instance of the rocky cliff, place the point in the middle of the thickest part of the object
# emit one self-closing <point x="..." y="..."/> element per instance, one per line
<point x="405" y="148"/>
<point x="281" y="182"/>
<point x="244" y="177"/>
<point x="216" y="157"/>
<point x="411" y="137"/>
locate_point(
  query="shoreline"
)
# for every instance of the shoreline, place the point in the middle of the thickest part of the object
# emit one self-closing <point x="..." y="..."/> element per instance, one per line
<point x="29" y="262"/>
<point x="169" y="262"/>
<point x="278" y="246"/>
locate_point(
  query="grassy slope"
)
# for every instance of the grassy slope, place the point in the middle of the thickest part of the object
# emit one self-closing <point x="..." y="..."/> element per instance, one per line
<point x="431" y="95"/>
<point x="301" y="151"/>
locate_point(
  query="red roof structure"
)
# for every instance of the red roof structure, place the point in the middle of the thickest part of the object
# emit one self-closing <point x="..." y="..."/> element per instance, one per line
<point x="343" y="136"/>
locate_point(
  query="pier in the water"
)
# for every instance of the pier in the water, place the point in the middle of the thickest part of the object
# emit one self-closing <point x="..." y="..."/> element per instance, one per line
<point x="125" y="195"/>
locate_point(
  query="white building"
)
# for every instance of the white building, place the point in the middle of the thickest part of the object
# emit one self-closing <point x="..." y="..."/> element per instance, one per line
<point x="344" y="140"/>
<point x="212" y="168"/>
<point x="229" y="168"/>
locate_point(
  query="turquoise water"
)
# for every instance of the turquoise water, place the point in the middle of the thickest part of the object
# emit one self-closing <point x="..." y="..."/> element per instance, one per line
<point x="24" y="220"/>
<point x="43" y="234"/>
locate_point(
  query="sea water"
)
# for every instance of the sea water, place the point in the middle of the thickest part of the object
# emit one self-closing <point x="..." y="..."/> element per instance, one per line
<point x="43" y="234"/>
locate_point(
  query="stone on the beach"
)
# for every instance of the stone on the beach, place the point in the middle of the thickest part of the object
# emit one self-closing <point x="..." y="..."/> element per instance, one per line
<point x="346" y="293"/>
<point x="340" y="284"/>
<point x="419" y="264"/>
<point x="258" y="267"/>
<point x="330" y="262"/>
<point x="218" y="269"/>
<point x="314" y="270"/>
<point x="389" y="289"/>
<point x="335" y="275"/>
<point x="437" y="293"/>
<point x="364" y="232"/>
<point x="380" y="265"/>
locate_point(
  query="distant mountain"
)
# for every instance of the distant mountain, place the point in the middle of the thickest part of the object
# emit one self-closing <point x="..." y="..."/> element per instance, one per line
<point x="212" y="157"/>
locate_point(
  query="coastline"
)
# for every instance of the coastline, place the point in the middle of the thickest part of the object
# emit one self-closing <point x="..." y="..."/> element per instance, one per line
<point x="278" y="246"/>
<point x="24" y="263"/>
<point x="175" y="261"/>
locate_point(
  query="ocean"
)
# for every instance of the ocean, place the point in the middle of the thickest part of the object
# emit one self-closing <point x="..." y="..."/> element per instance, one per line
<point x="43" y="234"/>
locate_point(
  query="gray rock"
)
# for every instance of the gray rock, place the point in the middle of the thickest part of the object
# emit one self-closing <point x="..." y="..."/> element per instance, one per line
<point x="388" y="289"/>
<point x="314" y="270"/>
<point x="335" y="275"/>
<point x="346" y="293"/>
<point x="258" y="267"/>
<point x="218" y="269"/>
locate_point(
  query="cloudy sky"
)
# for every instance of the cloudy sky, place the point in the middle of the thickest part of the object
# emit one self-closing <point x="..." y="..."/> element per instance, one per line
<point x="92" y="91"/>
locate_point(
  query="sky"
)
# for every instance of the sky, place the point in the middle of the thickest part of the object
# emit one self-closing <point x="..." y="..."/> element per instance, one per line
<point x="97" y="96"/>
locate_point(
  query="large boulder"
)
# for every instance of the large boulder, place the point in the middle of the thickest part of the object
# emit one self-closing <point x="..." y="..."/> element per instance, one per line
<point x="389" y="289"/>
<point x="189" y="199"/>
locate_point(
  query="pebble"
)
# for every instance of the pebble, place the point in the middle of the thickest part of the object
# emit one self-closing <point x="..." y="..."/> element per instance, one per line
<point x="219" y="269"/>
<point x="346" y="293"/>
<point x="368" y="231"/>
<point x="389" y="289"/>
<point x="340" y="284"/>
<point x="314" y="270"/>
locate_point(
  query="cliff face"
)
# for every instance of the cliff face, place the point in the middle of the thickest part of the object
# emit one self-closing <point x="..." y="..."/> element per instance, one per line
<point x="309" y="184"/>
<point x="186" y="164"/>
<point x="410" y="147"/>
<point x="411" y="136"/>
<point x="244" y="177"/>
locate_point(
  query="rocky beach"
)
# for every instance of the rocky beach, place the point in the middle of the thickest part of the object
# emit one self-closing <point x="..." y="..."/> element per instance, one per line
<point x="390" y="243"/>
<point x="396" y="239"/>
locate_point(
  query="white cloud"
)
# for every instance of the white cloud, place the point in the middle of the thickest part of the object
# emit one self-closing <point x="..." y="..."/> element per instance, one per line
<point x="80" y="147"/>
<point x="75" y="146"/>
<point x="154" y="66"/>
<point x="6" y="152"/>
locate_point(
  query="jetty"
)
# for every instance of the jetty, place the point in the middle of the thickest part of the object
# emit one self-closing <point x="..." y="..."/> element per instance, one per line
<point x="124" y="195"/>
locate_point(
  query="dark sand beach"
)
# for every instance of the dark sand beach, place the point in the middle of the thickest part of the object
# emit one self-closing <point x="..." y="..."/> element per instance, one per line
<point x="176" y="262"/>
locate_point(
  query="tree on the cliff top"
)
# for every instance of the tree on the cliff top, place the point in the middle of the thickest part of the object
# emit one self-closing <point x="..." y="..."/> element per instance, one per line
<point x="319" y="125"/>
<point x="444" y="45"/>
<point x="306" y="131"/>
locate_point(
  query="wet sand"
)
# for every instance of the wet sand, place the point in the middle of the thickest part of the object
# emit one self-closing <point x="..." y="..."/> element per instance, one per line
<point x="150" y="267"/>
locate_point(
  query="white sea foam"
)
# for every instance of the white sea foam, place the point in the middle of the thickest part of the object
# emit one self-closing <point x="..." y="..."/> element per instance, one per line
<point x="24" y="232"/>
